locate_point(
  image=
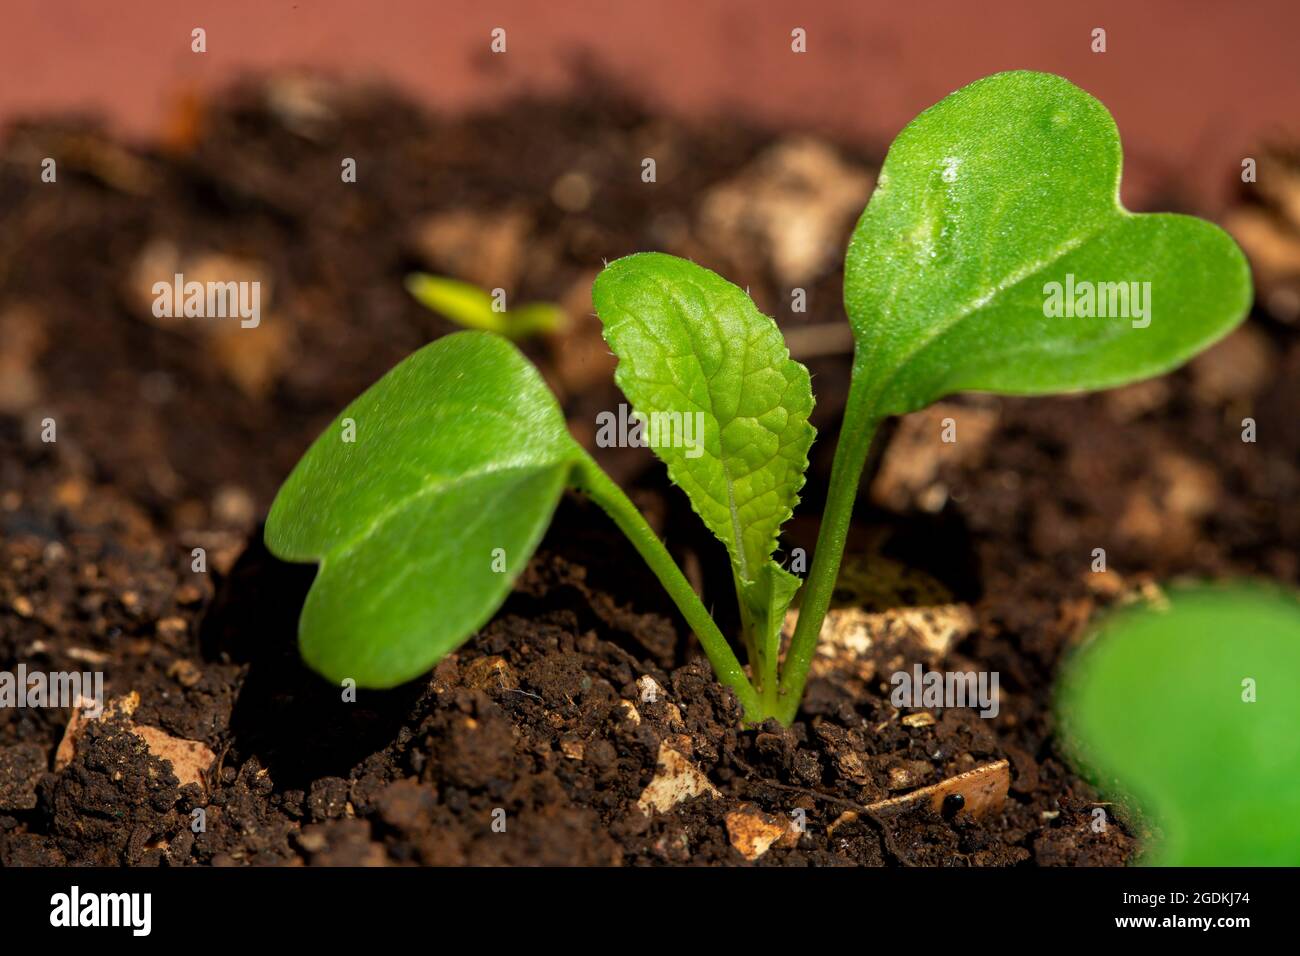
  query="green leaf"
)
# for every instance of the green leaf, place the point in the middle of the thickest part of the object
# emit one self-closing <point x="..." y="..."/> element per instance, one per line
<point x="763" y="603"/>
<point x="1157" y="707"/>
<point x="458" y="451"/>
<point x="1007" y="185"/>
<point x="693" y="348"/>
<point x="472" y="307"/>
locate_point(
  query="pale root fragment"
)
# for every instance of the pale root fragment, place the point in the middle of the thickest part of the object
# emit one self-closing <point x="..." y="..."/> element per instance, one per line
<point x="982" y="791"/>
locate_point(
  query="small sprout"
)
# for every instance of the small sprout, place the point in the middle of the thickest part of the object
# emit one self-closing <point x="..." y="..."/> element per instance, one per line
<point x="1153" y="708"/>
<point x="473" y="308"/>
<point x="993" y="256"/>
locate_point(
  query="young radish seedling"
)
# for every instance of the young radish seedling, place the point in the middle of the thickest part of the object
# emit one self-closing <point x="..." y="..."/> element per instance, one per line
<point x="993" y="256"/>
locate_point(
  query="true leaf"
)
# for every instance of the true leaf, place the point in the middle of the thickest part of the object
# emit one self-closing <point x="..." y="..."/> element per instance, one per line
<point x="458" y="451"/>
<point x="1192" y="710"/>
<point x="763" y="603"/>
<point x="689" y="343"/>
<point x="1007" y="185"/>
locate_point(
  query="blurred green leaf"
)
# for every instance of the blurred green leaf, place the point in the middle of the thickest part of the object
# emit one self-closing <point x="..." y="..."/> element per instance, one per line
<point x="1156" y="707"/>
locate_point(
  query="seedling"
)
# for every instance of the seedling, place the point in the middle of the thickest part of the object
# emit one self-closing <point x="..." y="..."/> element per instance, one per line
<point x="474" y="308"/>
<point x="988" y="207"/>
<point x="1190" y="711"/>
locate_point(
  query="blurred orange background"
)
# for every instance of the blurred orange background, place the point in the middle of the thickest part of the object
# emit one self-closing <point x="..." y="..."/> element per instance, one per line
<point x="1192" y="84"/>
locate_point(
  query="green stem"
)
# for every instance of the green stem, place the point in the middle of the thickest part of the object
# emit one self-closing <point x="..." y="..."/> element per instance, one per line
<point x="856" y="433"/>
<point x="589" y="477"/>
<point x="770" y="693"/>
<point x="769" y="679"/>
<point x="763" y="651"/>
<point x="751" y="638"/>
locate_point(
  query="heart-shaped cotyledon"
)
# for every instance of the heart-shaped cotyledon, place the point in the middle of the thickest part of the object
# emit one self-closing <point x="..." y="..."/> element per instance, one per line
<point x="995" y="256"/>
<point x="422" y="502"/>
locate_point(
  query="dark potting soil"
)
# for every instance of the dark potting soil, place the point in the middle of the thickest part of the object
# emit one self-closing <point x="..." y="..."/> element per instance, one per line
<point x="173" y="435"/>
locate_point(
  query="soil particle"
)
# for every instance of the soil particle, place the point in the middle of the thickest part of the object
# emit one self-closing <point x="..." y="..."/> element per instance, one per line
<point x="341" y="843"/>
<point x="753" y="832"/>
<point x="327" y="799"/>
<point x="471" y="744"/>
<point x="189" y="760"/>
<point x="116" y="802"/>
<point x="407" y="805"/>
<point x="21" y="766"/>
